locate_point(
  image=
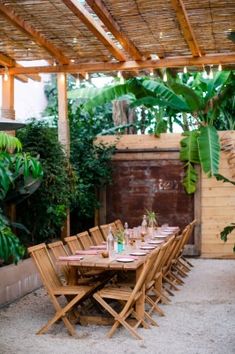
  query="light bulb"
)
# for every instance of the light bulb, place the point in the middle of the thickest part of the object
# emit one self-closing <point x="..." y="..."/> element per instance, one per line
<point x="86" y="76"/>
<point x="185" y="70"/>
<point x="220" y="67"/>
<point x="6" y="74"/>
<point x="165" y="77"/>
<point x="151" y="72"/>
<point x="122" y="80"/>
<point x="119" y="74"/>
<point x="77" y="81"/>
<point x="211" y="74"/>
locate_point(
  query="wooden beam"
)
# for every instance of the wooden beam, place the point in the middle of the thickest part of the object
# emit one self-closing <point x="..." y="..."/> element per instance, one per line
<point x="186" y="27"/>
<point x="5" y="60"/>
<point x="95" y="28"/>
<point x="101" y="11"/>
<point x="30" y="31"/>
<point x="171" y="62"/>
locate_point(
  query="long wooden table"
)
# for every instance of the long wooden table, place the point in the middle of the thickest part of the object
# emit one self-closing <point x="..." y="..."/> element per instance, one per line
<point x="97" y="262"/>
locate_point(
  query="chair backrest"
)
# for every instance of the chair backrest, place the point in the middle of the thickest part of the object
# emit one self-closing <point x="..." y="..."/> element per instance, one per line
<point x="114" y="228"/>
<point x="119" y="225"/>
<point x="45" y="266"/>
<point x="58" y="249"/>
<point x="73" y="244"/>
<point x="85" y="240"/>
<point x="96" y="235"/>
<point x="143" y="278"/>
<point x="105" y="230"/>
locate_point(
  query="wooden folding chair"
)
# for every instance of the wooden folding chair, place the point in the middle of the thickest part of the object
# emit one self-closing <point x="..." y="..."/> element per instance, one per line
<point x="73" y="244"/>
<point x="119" y="225"/>
<point x="85" y="240"/>
<point x="55" y="288"/>
<point x="128" y="297"/>
<point x="105" y="230"/>
<point x="58" y="249"/>
<point x="96" y="235"/>
<point x="182" y="259"/>
<point x="114" y="228"/>
<point x="154" y="291"/>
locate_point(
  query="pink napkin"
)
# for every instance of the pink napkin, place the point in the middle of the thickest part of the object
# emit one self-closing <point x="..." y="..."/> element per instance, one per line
<point x="99" y="247"/>
<point x="87" y="252"/>
<point x="70" y="258"/>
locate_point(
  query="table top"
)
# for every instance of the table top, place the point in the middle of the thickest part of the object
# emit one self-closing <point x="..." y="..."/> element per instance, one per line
<point x="98" y="262"/>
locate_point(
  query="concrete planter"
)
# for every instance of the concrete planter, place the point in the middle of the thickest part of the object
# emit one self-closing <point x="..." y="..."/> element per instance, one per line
<point x="18" y="280"/>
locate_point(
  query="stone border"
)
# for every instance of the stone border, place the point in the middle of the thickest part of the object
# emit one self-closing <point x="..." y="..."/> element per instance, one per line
<point x="17" y="281"/>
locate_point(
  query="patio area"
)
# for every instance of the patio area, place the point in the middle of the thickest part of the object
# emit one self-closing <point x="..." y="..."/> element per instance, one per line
<point x="199" y="320"/>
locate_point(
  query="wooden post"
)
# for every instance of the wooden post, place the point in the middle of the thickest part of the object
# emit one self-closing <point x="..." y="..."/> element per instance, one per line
<point x="63" y="131"/>
<point x="8" y="111"/>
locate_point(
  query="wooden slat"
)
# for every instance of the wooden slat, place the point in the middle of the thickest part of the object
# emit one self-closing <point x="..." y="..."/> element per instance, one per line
<point x="79" y="10"/>
<point x="186" y="27"/>
<point x="38" y="38"/>
<point x="171" y="62"/>
<point x="101" y="11"/>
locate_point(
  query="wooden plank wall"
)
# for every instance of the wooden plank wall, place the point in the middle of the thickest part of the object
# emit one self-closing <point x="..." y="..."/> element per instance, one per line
<point x="217" y="198"/>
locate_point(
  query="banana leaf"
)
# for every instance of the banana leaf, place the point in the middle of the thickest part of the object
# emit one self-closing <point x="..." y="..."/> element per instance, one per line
<point x="189" y="147"/>
<point x="226" y="231"/>
<point x="165" y="95"/>
<point x="190" y="179"/>
<point x="193" y="101"/>
<point x="224" y="179"/>
<point x="209" y="150"/>
<point x="106" y="96"/>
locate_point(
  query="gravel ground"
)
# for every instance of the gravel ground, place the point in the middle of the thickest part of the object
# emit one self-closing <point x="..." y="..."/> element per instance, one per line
<point x="200" y="319"/>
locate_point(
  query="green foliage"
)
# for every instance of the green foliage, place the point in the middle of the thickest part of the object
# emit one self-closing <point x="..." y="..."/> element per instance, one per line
<point x="209" y="150"/>
<point x="10" y="246"/>
<point x="91" y="162"/>
<point x="16" y="169"/>
<point x="226" y="231"/>
<point x="190" y="178"/>
<point x="219" y="177"/>
<point x="46" y="208"/>
<point x="8" y="142"/>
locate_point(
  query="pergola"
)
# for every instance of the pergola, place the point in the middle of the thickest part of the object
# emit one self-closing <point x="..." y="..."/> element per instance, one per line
<point x="80" y="37"/>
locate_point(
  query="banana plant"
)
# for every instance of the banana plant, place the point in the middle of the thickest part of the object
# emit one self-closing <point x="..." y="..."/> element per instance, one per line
<point x="198" y="99"/>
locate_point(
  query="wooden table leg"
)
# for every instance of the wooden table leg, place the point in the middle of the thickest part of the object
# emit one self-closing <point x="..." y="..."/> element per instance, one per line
<point x="139" y="307"/>
<point x="72" y="280"/>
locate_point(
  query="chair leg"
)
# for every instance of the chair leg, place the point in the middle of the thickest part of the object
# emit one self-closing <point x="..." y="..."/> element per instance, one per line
<point x="61" y="313"/>
<point x="185" y="260"/>
<point x="163" y="297"/>
<point x="117" y="317"/>
<point x="154" y="306"/>
<point x="154" y="323"/>
<point x="170" y="282"/>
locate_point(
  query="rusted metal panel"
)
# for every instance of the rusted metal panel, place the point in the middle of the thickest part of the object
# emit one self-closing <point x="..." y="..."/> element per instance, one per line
<point x="153" y="184"/>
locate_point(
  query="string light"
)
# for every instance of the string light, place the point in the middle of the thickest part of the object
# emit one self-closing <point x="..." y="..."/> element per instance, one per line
<point x="151" y="72"/>
<point x="86" y="76"/>
<point x="77" y="81"/>
<point x="185" y="70"/>
<point x="204" y="73"/>
<point x="220" y="67"/>
<point x="6" y="74"/>
<point x="210" y="73"/>
<point x="54" y="63"/>
<point x="121" y="78"/>
<point x="165" y="76"/>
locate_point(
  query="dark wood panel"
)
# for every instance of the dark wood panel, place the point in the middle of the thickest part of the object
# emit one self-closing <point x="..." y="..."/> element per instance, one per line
<point x="154" y="185"/>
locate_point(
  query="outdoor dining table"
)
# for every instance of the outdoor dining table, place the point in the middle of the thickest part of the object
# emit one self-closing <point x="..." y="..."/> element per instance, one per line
<point x="97" y="262"/>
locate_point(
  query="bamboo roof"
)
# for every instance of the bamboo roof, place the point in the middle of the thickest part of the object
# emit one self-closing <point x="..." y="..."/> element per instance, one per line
<point x="110" y="35"/>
